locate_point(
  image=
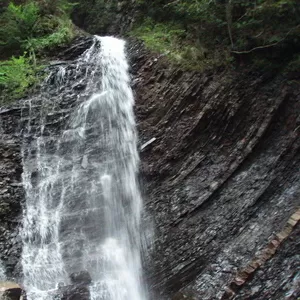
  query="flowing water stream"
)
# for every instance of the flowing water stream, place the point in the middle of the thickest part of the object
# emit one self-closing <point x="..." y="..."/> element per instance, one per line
<point x="2" y="272"/>
<point x="83" y="204"/>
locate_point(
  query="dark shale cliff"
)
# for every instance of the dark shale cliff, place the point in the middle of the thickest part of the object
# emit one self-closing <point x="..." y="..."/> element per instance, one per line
<point x="220" y="177"/>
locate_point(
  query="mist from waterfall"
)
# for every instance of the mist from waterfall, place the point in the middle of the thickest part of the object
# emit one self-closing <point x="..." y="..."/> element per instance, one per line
<point x="83" y="204"/>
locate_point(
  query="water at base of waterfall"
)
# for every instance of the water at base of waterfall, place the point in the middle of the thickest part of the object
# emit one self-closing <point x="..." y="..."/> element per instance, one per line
<point x="83" y="204"/>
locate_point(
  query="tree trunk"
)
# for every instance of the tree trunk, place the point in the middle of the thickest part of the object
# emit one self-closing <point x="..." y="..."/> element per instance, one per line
<point x="229" y="21"/>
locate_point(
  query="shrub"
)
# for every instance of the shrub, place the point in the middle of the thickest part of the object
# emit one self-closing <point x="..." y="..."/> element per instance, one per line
<point x="16" y="76"/>
<point x="62" y="35"/>
<point x="29" y="27"/>
<point x="28" y="31"/>
<point x="17" y="24"/>
<point x="160" y="37"/>
<point x="172" y="40"/>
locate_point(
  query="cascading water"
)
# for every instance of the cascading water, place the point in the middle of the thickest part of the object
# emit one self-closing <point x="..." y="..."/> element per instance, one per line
<point x="83" y="204"/>
<point x="2" y="272"/>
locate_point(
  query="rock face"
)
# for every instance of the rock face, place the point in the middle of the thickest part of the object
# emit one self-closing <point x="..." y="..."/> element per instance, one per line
<point x="219" y="169"/>
<point x="279" y="278"/>
<point x="221" y="176"/>
<point x="75" y="293"/>
<point x="11" y="190"/>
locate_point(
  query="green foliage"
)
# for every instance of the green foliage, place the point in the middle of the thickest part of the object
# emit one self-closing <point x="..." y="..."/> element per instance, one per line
<point x="222" y="26"/>
<point x="294" y="65"/>
<point x="264" y="64"/>
<point x="16" y="76"/>
<point x="266" y="23"/>
<point x="159" y="36"/>
<point x="24" y="15"/>
<point x="59" y="37"/>
<point x="56" y="7"/>
<point x="194" y="10"/>
<point x="35" y="26"/>
<point x="17" y="23"/>
<point x="263" y="20"/>
<point x="171" y="40"/>
<point x="28" y="31"/>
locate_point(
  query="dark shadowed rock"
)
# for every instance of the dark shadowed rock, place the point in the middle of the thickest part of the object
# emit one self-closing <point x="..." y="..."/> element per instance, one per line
<point x="13" y="294"/>
<point x="82" y="277"/>
<point x="11" y="194"/>
<point x="75" y="293"/>
<point x="10" y="291"/>
<point x="78" y="46"/>
<point x="78" y="289"/>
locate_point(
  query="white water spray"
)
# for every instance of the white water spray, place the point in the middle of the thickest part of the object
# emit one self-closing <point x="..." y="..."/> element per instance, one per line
<point x="83" y="204"/>
<point x="2" y="272"/>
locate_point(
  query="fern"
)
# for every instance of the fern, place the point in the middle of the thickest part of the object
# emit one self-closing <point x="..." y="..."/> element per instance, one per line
<point x="33" y="27"/>
<point x="16" y="76"/>
<point x="60" y="36"/>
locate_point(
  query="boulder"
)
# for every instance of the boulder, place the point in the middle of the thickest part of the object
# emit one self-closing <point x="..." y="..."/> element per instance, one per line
<point x="10" y="291"/>
<point x="75" y="292"/>
<point x="78" y="289"/>
<point x="82" y="277"/>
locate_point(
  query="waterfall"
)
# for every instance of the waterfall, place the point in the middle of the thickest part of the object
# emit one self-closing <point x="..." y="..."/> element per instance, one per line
<point x="2" y="272"/>
<point x="83" y="204"/>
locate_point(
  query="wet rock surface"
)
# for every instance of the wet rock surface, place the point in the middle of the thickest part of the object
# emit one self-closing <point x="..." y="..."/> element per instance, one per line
<point x="79" y="288"/>
<point x="220" y="171"/>
<point x="11" y="198"/>
<point x="222" y="174"/>
<point x="75" y="293"/>
<point x="82" y="277"/>
<point x="21" y="122"/>
<point x="280" y="277"/>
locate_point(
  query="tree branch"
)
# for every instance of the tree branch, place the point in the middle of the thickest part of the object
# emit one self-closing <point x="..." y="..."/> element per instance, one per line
<point x="266" y="46"/>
